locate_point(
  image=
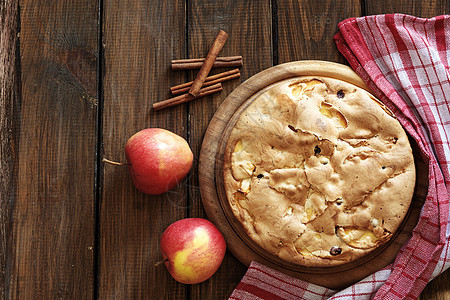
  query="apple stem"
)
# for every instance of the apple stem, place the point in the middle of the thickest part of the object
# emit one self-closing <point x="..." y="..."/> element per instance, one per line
<point x="161" y="262"/>
<point x="115" y="163"/>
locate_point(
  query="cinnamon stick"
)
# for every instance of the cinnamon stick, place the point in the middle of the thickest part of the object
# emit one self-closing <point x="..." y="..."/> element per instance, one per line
<point x="196" y="63"/>
<point x="187" y="97"/>
<point x="210" y="80"/>
<point x="218" y="44"/>
<point x="202" y="59"/>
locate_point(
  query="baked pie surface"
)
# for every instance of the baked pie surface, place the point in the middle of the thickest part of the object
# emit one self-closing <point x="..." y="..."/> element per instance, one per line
<point x="318" y="172"/>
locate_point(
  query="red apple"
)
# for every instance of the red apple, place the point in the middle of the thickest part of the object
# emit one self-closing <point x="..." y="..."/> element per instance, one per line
<point x="192" y="249"/>
<point x="159" y="160"/>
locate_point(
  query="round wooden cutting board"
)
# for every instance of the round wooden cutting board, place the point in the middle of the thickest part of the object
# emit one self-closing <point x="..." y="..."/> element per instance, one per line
<point x="211" y="187"/>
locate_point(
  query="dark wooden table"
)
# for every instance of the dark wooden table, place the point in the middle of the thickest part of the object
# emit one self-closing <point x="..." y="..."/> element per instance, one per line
<point x="77" y="79"/>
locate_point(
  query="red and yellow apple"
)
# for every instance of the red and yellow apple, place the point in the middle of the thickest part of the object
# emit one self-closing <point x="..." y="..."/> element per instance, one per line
<point x="192" y="249"/>
<point x="158" y="160"/>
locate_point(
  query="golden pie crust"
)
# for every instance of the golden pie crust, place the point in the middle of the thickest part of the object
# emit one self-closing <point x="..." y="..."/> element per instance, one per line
<point x="318" y="172"/>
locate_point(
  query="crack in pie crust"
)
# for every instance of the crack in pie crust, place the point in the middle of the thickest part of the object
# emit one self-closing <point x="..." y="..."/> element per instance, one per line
<point x="318" y="172"/>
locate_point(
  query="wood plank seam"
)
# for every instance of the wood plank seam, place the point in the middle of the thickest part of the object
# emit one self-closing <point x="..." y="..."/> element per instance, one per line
<point x="99" y="152"/>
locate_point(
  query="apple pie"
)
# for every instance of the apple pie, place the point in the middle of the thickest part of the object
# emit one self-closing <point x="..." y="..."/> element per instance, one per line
<point x="318" y="172"/>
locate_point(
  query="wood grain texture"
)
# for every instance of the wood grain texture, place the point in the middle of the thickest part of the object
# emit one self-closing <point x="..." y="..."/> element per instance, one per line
<point x="9" y="103"/>
<point x="53" y="224"/>
<point x="248" y="24"/>
<point x="306" y="28"/>
<point x="140" y="38"/>
<point x="422" y="9"/>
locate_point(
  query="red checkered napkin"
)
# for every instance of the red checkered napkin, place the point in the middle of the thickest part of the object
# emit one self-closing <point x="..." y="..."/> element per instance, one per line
<point x="405" y="62"/>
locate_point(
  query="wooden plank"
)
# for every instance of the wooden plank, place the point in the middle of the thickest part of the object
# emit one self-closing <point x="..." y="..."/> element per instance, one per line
<point x="306" y="28"/>
<point x="140" y="40"/>
<point x="248" y="24"/>
<point x="9" y="100"/>
<point x="423" y="9"/>
<point x="53" y="218"/>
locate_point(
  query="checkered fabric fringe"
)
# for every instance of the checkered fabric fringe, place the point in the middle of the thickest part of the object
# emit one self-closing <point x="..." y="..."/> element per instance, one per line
<point x="405" y="62"/>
